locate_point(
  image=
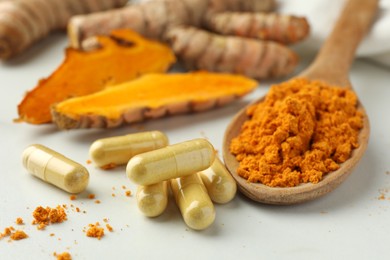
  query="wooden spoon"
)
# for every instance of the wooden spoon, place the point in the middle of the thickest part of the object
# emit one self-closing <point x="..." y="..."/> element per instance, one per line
<point x="332" y="66"/>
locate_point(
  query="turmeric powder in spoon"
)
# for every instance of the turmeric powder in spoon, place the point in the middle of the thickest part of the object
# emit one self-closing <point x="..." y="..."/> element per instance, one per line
<point x="301" y="131"/>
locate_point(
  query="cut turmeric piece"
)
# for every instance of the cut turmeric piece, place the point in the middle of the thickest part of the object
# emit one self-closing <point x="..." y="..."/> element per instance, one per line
<point x="122" y="56"/>
<point x="151" y="96"/>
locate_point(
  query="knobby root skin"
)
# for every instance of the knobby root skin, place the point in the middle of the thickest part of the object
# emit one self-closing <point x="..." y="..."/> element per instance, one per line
<point x="23" y="22"/>
<point x="174" y="22"/>
<point x="285" y="29"/>
<point x="137" y="114"/>
<point x="153" y="18"/>
<point x="201" y="50"/>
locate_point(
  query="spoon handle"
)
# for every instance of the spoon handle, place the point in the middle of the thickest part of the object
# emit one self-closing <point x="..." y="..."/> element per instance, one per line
<point x="335" y="57"/>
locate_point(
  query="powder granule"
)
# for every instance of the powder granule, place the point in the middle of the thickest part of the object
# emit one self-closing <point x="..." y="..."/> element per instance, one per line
<point x="13" y="234"/>
<point x="19" y="221"/>
<point x="63" y="256"/>
<point x="301" y="131"/>
<point x="95" y="230"/>
<point x="45" y="216"/>
<point x="7" y="232"/>
<point x="18" y="235"/>
<point x="109" y="227"/>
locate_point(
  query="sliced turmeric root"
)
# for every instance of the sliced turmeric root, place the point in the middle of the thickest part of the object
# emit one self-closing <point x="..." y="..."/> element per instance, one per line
<point x="151" y="96"/>
<point x="122" y="56"/>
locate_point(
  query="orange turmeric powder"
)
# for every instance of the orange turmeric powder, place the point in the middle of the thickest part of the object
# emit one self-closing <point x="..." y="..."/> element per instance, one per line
<point x="45" y="216"/>
<point x="301" y="131"/>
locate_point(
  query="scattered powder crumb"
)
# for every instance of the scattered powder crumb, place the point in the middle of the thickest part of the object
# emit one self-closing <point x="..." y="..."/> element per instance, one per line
<point x="77" y="209"/>
<point x="108" y="166"/>
<point x="124" y="187"/>
<point x="128" y="193"/>
<point x="7" y="232"/>
<point x="113" y="194"/>
<point x="109" y="228"/>
<point x="52" y="234"/>
<point x="382" y="197"/>
<point x="91" y="196"/>
<point x="41" y="226"/>
<point x="97" y="201"/>
<point x="18" y="235"/>
<point x="88" y="161"/>
<point x="95" y="230"/>
<point x="113" y="188"/>
<point x="19" y="221"/>
<point x="105" y="220"/>
<point x="45" y="216"/>
<point x="63" y="256"/>
<point x="73" y="197"/>
<point x="382" y="193"/>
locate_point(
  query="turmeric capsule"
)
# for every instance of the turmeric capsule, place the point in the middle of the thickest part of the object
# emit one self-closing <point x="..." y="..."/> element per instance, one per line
<point x="55" y="168"/>
<point x="109" y="152"/>
<point x="219" y="183"/>
<point x="171" y="162"/>
<point x="193" y="201"/>
<point x="152" y="199"/>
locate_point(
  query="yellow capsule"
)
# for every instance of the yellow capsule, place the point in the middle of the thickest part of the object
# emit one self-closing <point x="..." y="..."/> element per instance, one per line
<point x="219" y="183"/>
<point x="109" y="152"/>
<point x="193" y="201"/>
<point x="55" y="168"/>
<point x="152" y="199"/>
<point x="171" y="162"/>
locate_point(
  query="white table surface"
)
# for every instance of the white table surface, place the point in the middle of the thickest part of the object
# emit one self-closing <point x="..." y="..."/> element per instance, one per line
<point x="350" y="223"/>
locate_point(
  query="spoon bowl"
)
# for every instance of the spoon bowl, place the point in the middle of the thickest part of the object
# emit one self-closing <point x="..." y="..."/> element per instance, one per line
<point x="301" y="193"/>
<point x="331" y="66"/>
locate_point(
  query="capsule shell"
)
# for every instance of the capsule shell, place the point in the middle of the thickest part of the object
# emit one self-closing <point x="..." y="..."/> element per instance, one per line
<point x="193" y="201"/>
<point x="55" y="168"/>
<point x="109" y="152"/>
<point x="219" y="183"/>
<point x="171" y="162"/>
<point x="152" y="199"/>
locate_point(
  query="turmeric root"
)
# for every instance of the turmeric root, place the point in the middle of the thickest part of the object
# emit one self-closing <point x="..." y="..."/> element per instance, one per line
<point x="151" y="96"/>
<point x="285" y="29"/>
<point x="153" y="18"/>
<point x="170" y="21"/>
<point x="123" y="56"/>
<point x="23" y="22"/>
<point x="199" y="49"/>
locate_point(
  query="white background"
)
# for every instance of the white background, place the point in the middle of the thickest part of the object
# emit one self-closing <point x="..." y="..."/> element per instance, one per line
<point x="349" y="223"/>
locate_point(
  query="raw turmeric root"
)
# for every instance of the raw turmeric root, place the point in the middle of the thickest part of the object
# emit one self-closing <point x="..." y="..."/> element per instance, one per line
<point x="285" y="29"/>
<point x="151" y="96"/>
<point x="23" y="22"/>
<point x="123" y="56"/>
<point x="155" y="17"/>
<point x="160" y="19"/>
<point x="199" y="49"/>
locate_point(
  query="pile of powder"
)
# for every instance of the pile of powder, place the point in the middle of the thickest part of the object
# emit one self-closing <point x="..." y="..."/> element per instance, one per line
<point x="302" y="130"/>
